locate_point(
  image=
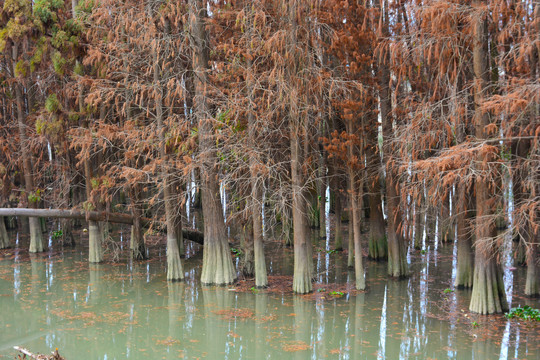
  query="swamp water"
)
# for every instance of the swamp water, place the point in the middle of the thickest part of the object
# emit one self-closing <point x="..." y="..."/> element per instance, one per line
<point x="128" y="311"/>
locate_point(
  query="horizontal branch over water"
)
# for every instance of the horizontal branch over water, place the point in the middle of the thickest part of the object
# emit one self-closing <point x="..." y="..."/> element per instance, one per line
<point x="118" y="218"/>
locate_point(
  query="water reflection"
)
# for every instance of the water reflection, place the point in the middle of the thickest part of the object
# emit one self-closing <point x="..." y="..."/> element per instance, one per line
<point x="123" y="311"/>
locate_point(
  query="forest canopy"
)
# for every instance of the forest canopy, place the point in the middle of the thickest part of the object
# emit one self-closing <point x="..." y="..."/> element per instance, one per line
<point x="410" y="114"/>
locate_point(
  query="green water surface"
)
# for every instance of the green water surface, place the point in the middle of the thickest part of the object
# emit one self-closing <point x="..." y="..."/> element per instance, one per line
<point x="128" y="310"/>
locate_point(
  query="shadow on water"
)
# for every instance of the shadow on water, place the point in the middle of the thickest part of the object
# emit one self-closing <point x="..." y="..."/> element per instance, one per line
<point x="128" y="310"/>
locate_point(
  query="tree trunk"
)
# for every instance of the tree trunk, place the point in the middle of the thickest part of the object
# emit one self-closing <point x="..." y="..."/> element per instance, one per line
<point x="95" y="236"/>
<point x="378" y="244"/>
<point x="302" y="271"/>
<point x="248" y="262"/>
<point x="36" y="237"/>
<point x="532" y="282"/>
<point x="397" y="251"/>
<point x="465" y="258"/>
<point x="350" y="255"/>
<point x="354" y="196"/>
<point x="217" y="262"/>
<point x="175" y="271"/>
<point x="446" y="225"/>
<point x="137" y="246"/>
<point x="261" y="279"/>
<point x="286" y="224"/>
<point x="338" y="211"/>
<point x="418" y="225"/>
<point x="488" y="294"/>
<point x="4" y="238"/>
<point x="321" y="190"/>
<point x="358" y="264"/>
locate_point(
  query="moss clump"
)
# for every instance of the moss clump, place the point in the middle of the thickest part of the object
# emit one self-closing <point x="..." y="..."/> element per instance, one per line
<point x="52" y="104"/>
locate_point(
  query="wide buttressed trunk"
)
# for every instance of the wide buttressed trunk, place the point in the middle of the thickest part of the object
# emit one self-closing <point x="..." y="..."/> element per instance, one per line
<point x="217" y="262"/>
<point x="175" y="270"/>
<point x="217" y="267"/>
<point x="488" y="294"/>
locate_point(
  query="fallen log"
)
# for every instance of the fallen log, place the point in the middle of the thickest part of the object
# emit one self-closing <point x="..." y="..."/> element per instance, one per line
<point x="54" y="355"/>
<point x="118" y="218"/>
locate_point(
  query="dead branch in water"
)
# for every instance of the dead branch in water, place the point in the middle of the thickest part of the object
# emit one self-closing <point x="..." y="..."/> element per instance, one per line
<point x="54" y="355"/>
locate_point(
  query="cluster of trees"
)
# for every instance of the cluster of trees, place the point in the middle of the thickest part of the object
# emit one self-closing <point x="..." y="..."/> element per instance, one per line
<point x="416" y="114"/>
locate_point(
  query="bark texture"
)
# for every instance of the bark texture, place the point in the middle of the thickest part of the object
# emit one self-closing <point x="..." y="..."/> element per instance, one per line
<point x="488" y="294"/>
<point x="4" y="238"/>
<point x="217" y="262"/>
<point x="36" y="237"/>
<point x="532" y="282"/>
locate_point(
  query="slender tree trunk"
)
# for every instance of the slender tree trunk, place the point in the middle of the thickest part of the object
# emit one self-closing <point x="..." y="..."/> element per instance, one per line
<point x="350" y="255"/>
<point x="418" y="225"/>
<point x="358" y="264"/>
<point x="488" y="294"/>
<point x="4" y="238"/>
<point x="446" y="224"/>
<point x="321" y="189"/>
<point x="36" y="237"/>
<point x="397" y="251"/>
<point x="302" y="271"/>
<point x="354" y="196"/>
<point x="261" y="279"/>
<point x="95" y="235"/>
<point x="532" y="282"/>
<point x="217" y="262"/>
<point x="179" y="231"/>
<point x="137" y="246"/>
<point x="66" y="225"/>
<point x="465" y="258"/>
<point x="378" y="244"/>
<point x="286" y="223"/>
<point x="338" y="211"/>
<point x="248" y="261"/>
